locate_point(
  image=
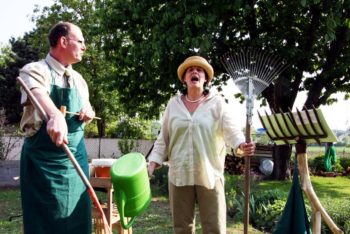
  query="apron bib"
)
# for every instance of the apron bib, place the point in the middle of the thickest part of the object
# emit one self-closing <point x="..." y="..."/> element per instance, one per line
<point x="54" y="197"/>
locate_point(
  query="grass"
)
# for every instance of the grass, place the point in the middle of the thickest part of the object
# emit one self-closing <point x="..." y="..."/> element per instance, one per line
<point x="157" y="218"/>
<point x="10" y="206"/>
<point x="313" y="151"/>
<point x="324" y="187"/>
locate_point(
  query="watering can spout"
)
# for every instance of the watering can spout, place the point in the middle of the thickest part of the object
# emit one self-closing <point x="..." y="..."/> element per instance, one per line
<point x="131" y="185"/>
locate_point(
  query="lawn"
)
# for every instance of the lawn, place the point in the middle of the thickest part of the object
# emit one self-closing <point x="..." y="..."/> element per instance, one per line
<point x="324" y="187"/>
<point x="156" y="219"/>
<point x="313" y="151"/>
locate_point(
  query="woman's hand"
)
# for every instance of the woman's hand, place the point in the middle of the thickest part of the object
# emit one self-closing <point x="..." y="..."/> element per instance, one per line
<point x="248" y="149"/>
<point x="151" y="167"/>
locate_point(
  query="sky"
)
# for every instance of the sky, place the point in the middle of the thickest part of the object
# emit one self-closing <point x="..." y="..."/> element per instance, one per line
<point x="15" y="17"/>
<point x="15" y="21"/>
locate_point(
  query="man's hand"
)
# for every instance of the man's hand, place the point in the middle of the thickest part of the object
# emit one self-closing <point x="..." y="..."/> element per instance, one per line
<point x="57" y="128"/>
<point x="247" y="148"/>
<point x="86" y="114"/>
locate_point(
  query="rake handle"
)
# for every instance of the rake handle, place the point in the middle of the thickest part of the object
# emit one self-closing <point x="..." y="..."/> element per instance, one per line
<point x="76" y="165"/>
<point x="247" y="178"/>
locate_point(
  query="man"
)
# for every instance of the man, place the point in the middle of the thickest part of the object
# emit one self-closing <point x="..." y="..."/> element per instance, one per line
<point x="54" y="198"/>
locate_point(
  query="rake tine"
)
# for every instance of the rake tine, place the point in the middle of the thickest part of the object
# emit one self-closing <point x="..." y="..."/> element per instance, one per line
<point x="231" y="64"/>
<point x="224" y="63"/>
<point x="284" y="135"/>
<point x="324" y="133"/>
<point x="280" y="67"/>
<point x="264" y="61"/>
<point x="272" y="126"/>
<point x="260" y="65"/>
<point x="241" y="63"/>
<point x="291" y="116"/>
<point x="228" y="64"/>
<point x="302" y="121"/>
<point x="251" y="56"/>
<point x="254" y="57"/>
<point x="303" y="124"/>
<point x="306" y="129"/>
<point x="317" y="135"/>
<point x="286" y="123"/>
<point x="264" y="125"/>
<point x="271" y="69"/>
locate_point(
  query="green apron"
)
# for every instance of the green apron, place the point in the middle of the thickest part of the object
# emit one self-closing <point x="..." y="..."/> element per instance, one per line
<point x="54" y="197"/>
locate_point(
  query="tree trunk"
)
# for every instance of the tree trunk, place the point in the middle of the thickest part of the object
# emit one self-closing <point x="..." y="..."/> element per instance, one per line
<point x="281" y="157"/>
<point x="101" y="127"/>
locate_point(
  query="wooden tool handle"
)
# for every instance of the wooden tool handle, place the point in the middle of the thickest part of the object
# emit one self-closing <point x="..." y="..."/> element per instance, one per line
<point x="75" y="113"/>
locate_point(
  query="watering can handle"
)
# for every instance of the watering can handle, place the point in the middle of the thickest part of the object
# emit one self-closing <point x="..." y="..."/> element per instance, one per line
<point x="121" y="204"/>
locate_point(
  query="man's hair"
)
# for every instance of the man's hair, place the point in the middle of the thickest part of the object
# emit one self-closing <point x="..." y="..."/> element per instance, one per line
<point x="59" y="30"/>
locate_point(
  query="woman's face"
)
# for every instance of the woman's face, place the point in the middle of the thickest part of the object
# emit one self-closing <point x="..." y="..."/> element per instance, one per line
<point x="195" y="77"/>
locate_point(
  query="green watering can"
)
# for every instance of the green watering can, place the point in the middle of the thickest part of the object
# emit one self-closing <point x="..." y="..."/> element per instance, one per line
<point x="131" y="186"/>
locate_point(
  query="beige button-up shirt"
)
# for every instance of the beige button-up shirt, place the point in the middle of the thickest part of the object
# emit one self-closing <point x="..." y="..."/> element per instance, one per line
<point x="42" y="74"/>
<point x="195" y="145"/>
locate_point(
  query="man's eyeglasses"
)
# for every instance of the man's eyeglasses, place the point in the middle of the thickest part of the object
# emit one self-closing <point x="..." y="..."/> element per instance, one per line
<point x="81" y="42"/>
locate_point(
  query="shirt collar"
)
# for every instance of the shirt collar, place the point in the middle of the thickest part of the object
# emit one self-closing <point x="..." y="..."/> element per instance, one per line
<point x="57" y="66"/>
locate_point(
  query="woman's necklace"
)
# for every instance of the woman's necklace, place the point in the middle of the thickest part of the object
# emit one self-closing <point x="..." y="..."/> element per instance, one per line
<point x="194" y="101"/>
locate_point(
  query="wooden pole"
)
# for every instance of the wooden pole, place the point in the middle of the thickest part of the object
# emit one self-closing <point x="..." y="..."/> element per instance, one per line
<point x="306" y="186"/>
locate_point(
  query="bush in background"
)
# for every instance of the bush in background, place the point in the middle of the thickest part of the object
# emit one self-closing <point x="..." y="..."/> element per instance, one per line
<point x="344" y="162"/>
<point x="126" y="146"/>
<point x="132" y="128"/>
<point x="160" y="180"/>
<point x="339" y="211"/>
<point x="317" y="165"/>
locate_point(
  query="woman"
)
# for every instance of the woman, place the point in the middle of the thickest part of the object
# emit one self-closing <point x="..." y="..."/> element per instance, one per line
<point x="195" y="131"/>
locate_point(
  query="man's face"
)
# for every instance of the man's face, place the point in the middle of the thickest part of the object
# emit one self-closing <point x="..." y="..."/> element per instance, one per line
<point x="75" y="45"/>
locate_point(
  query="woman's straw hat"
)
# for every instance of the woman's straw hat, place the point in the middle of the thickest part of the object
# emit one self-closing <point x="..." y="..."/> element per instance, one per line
<point x="195" y="61"/>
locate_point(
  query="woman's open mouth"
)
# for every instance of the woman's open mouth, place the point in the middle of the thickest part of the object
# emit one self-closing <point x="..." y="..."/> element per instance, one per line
<point x="194" y="78"/>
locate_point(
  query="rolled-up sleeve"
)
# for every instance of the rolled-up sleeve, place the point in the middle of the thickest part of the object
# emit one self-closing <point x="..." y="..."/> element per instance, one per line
<point x="34" y="75"/>
<point x="233" y="135"/>
<point x="160" y="149"/>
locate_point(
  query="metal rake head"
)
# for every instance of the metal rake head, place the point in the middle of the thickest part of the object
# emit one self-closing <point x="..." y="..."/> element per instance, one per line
<point x="255" y="66"/>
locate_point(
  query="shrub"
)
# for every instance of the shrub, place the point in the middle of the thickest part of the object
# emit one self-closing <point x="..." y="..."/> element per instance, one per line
<point x="132" y="128"/>
<point x="126" y="146"/>
<point x="344" y="162"/>
<point x="338" y="167"/>
<point x="234" y="202"/>
<point x="268" y="207"/>
<point x="91" y="130"/>
<point x="160" y="180"/>
<point x="268" y="215"/>
<point x="235" y="197"/>
<point x="339" y="211"/>
<point x="346" y="228"/>
<point x="317" y="163"/>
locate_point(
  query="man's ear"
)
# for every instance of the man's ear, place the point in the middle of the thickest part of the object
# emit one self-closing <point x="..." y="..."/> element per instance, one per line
<point x="63" y="42"/>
